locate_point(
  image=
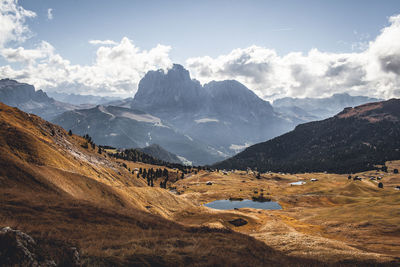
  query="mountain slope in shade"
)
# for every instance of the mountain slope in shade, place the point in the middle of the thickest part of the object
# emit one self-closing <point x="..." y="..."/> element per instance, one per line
<point x="160" y="153"/>
<point x="309" y="109"/>
<point x="25" y="97"/>
<point x="353" y="140"/>
<point x="127" y="128"/>
<point x="223" y="114"/>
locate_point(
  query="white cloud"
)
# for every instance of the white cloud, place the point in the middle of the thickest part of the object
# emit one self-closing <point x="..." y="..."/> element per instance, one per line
<point x="116" y="71"/>
<point x="119" y="66"/>
<point x="102" y="42"/>
<point x="50" y="14"/>
<point x="375" y="71"/>
<point x="12" y="22"/>
<point x="28" y="56"/>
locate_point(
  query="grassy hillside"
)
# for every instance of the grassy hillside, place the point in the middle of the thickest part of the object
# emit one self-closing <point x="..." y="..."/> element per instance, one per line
<point x="64" y="194"/>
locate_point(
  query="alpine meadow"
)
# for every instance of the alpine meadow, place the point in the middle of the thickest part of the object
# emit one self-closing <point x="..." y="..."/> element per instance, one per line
<point x="199" y="133"/>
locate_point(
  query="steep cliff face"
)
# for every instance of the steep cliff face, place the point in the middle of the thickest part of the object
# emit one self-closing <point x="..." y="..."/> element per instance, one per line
<point x="170" y="92"/>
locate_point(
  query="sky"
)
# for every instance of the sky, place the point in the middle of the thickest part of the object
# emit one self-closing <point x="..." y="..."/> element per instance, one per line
<point x="275" y="48"/>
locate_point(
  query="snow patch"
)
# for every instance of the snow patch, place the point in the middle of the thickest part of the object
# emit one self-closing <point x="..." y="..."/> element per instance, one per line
<point x="140" y="117"/>
<point x="205" y="120"/>
<point x="238" y="148"/>
<point x="159" y="124"/>
<point x="217" y="152"/>
<point x="105" y="111"/>
<point x="185" y="161"/>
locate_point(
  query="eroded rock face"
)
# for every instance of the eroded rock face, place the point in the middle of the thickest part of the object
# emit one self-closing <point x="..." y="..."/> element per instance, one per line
<point x="19" y="249"/>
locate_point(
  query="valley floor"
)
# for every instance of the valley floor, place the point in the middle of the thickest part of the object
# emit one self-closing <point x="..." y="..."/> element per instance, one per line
<point x="334" y="219"/>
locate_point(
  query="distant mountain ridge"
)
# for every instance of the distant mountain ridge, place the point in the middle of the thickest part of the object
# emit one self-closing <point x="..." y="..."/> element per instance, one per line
<point x="354" y="140"/>
<point x="308" y="109"/>
<point x="76" y="99"/>
<point x="24" y="97"/>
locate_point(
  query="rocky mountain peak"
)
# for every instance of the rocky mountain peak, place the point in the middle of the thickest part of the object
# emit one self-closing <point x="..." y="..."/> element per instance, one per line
<point x="161" y="91"/>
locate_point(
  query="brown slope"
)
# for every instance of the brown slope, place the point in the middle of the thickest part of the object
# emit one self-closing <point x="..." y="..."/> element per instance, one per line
<point x="65" y="195"/>
<point x="374" y="112"/>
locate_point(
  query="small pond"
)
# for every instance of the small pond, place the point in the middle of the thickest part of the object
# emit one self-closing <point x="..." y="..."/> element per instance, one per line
<point x="246" y="203"/>
<point x="298" y="183"/>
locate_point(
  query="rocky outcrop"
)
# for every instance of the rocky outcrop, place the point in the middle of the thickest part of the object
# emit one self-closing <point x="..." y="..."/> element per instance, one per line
<point x="19" y="249"/>
<point x="238" y="222"/>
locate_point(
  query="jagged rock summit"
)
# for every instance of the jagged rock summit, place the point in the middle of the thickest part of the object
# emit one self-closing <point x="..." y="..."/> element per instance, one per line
<point x="223" y="114"/>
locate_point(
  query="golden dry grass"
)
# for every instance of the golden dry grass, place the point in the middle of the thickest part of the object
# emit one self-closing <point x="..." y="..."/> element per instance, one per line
<point x="65" y="195"/>
<point x="333" y="219"/>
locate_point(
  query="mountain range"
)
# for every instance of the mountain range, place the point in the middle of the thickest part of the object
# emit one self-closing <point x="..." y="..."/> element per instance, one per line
<point x="225" y="114"/>
<point x="356" y="139"/>
<point x="129" y="128"/>
<point x="309" y="109"/>
<point x="25" y="97"/>
<point x="201" y="124"/>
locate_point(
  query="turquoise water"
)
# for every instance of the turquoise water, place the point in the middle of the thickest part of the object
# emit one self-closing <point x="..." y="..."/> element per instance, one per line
<point x="247" y="203"/>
